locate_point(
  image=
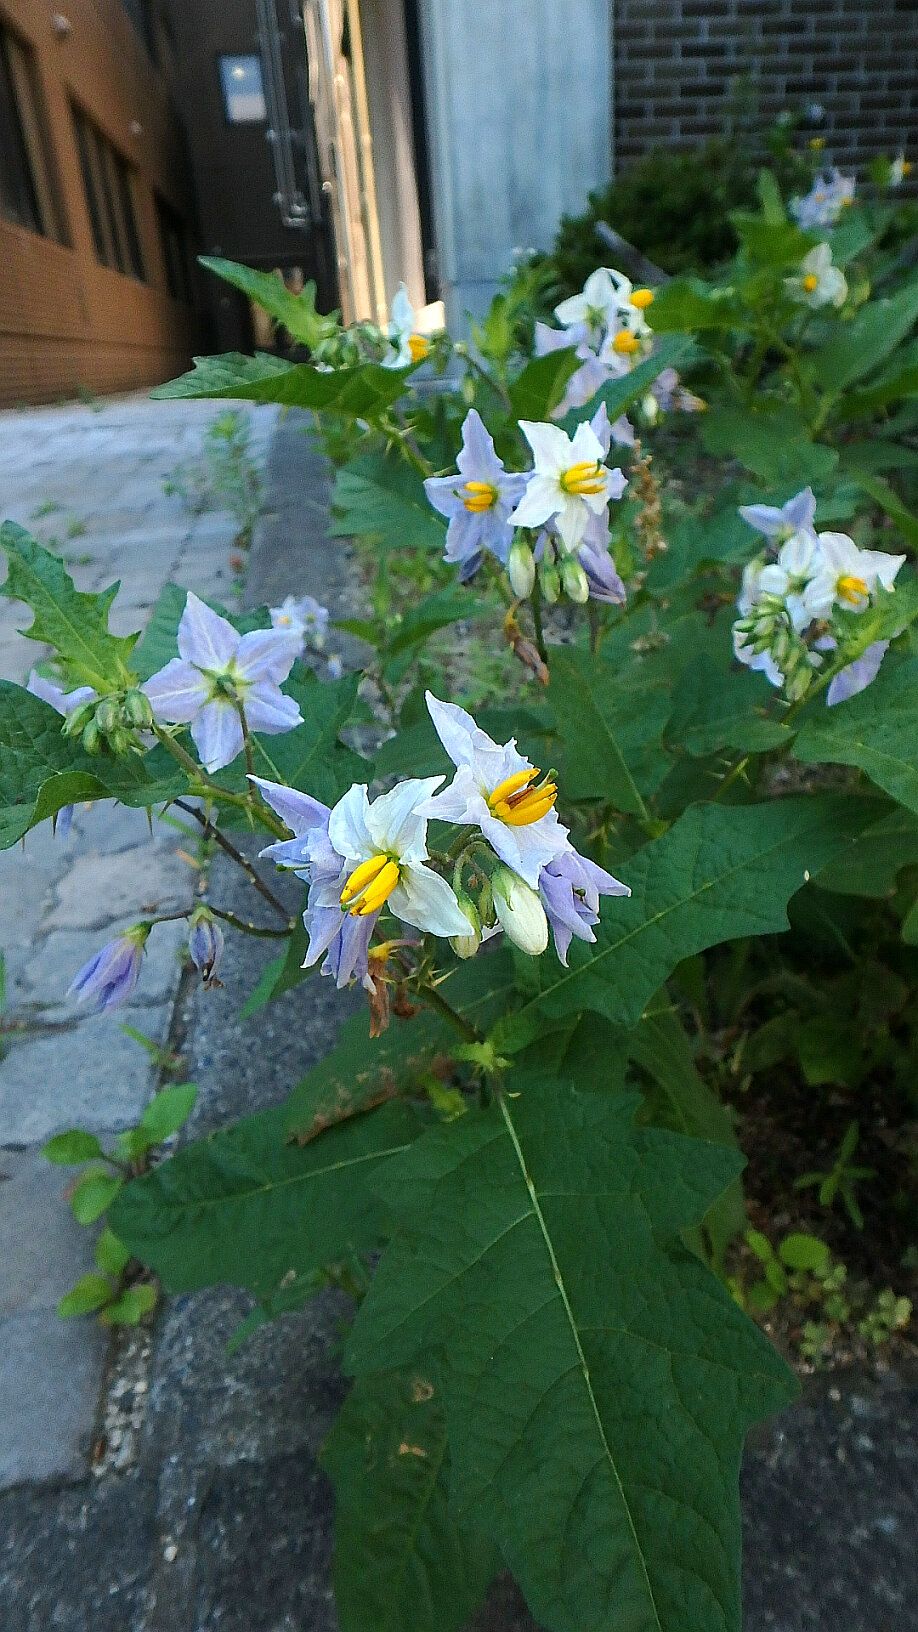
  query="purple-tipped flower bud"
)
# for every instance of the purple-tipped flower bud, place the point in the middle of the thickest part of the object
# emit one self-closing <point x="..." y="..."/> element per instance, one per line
<point x="110" y="976"/>
<point x="205" y="945"/>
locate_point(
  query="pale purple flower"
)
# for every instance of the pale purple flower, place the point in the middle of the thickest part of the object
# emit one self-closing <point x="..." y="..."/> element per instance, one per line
<point x="205" y="945"/>
<point x="604" y="582"/>
<point x="476" y="794"/>
<point x="358" y="857"/>
<point x="596" y="369"/>
<point x="217" y="672"/>
<point x="570" y="888"/>
<point x="781" y="522"/>
<point x="823" y="204"/>
<point x="109" y="978"/>
<point x="858" y="675"/>
<point x="303" y="616"/>
<point x="477" y="500"/>
<point x="569" y="482"/>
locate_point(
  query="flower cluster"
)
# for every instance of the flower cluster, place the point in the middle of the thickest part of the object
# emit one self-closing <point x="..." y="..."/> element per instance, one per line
<point x="561" y="505"/>
<point x="792" y="594"/>
<point x="606" y="326"/>
<point x="830" y="193"/>
<point x="304" y="616"/>
<point x="364" y="857"/>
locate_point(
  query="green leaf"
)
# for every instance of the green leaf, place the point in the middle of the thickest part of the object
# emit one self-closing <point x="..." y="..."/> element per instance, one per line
<point x="596" y="1400"/>
<point x="718" y="708"/>
<point x="281" y="974"/>
<point x="401" y="1560"/>
<point x="361" y="392"/>
<point x="872" y="861"/>
<point x="91" y="1292"/>
<point x="769" y="243"/>
<point x="110" y="1254"/>
<point x="311" y="758"/>
<point x="297" y="313"/>
<point x="877" y="731"/>
<point x="799" y="1251"/>
<point x="169" y="1110"/>
<point x="592" y="760"/>
<point x="246" y="1207"/>
<point x="888" y="499"/>
<point x="359" y="1069"/>
<point x="74" y="623"/>
<point x="775" y="447"/>
<point x="537" y="391"/>
<point x="718" y="873"/>
<point x="130" y="1307"/>
<point x="859" y="346"/>
<point x="94" y="1194"/>
<point x="619" y="394"/>
<point x="157" y="645"/>
<point x="378" y="495"/>
<point x="71" y="1148"/>
<point x="689" y="303"/>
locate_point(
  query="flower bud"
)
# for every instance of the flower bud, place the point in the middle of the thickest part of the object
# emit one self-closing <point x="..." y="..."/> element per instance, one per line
<point x="92" y="738"/>
<point x="465" y="946"/>
<point x="108" y="716"/>
<point x="797" y="685"/>
<point x="574" y="580"/>
<point x="77" y="721"/>
<point x="519" y="911"/>
<point x="521" y="569"/>
<point x="137" y="710"/>
<point x="120" y="741"/>
<point x="550" y="580"/>
<point x="205" y="945"/>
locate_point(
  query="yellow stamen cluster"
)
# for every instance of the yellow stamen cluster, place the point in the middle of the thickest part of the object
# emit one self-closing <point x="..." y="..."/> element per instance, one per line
<point x="810" y="282"/>
<point x="907" y="167"/>
<point x="587" y="476"/>
<point x="641" y="298"/>
<point x="817" y="143"/>
<point x="479" y="496"/>
<point x="370" y="886"/>
<point x="519" y="804"/>
<point x="851" y="589"/>
<point x="626" y="343"/>
<point x="419" y="346"/>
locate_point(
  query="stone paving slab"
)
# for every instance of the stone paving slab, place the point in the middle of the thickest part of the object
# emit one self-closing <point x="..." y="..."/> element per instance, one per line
<point x="89" y="483"/>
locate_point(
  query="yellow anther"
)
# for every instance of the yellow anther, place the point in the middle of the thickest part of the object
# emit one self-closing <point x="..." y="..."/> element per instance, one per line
<point x="641" y="298"/>
<point x="419" y="346"/>
<point x="517" y="803"/>
<point x="907" y="167"/>
<point x="479" y="496"/>
<point x="851" y="589"/>
<point x="847" y="203"/>
<point x="626" y="343"/>
<point x="370" y="885"/>
<point x="587" y="476"/>
<point x="817" y="143"/>
<point x="810" y="282"/>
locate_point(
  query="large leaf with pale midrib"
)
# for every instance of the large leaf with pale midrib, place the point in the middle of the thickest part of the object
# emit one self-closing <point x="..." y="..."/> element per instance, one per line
<point x="401" y="1560"/>
<point x="877" y="730"/>
<point x="246" y="1207"/>
<point x="597" y="1379"/>
<point x="717" y="874"/>
<point x="74" y="623"/>
<point x="358" y="392"/>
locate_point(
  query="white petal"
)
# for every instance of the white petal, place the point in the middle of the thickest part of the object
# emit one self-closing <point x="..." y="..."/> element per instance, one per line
<point x="539" y="503"/>
<point x="551" y="447"/>
<point x="269" y="711"/>
<point x="347" y="824"/>
<point x="424" y="899"/>
<point x="298" y="810"/>
<point x="585" y="445"/>
<point x="456" y="729"/>
<point x="571" y="522"/>
<point x="462" y="801"/>
<point x="268" y="654"/>
<point x="217" y="734"/>
<point x="393" y="821"/>
<point x="204" y="638"/>
<point x="177" y="693"/>
<point x="526" y="850"/>
<point x="572" y="310"/>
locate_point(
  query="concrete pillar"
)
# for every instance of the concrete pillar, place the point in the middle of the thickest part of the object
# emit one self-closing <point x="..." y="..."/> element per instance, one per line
<point x="518" y="99"/>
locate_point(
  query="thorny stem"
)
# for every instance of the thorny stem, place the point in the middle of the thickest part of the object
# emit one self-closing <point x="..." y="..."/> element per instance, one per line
<point x="203" y="786"/>
<point x="434" y="999"/>
<point x="249" y="928"/>
<point x="535" y="601"/>
<point x="212" y="832"/>
<point x="246" y="738"/>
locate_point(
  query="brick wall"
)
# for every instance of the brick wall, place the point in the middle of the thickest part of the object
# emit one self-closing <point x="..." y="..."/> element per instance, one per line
<point x="66" y="322"/>
<point x="675" y="60"/>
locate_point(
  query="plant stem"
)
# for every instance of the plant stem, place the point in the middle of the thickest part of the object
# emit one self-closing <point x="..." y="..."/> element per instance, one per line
<point x="535" y="601"/>
<point x="212" y="832"/>
<point x="433" y="997"/>
<point x="249" y="928"/>
<point x="204" y="788"/>
<point x="246" y="739"/>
